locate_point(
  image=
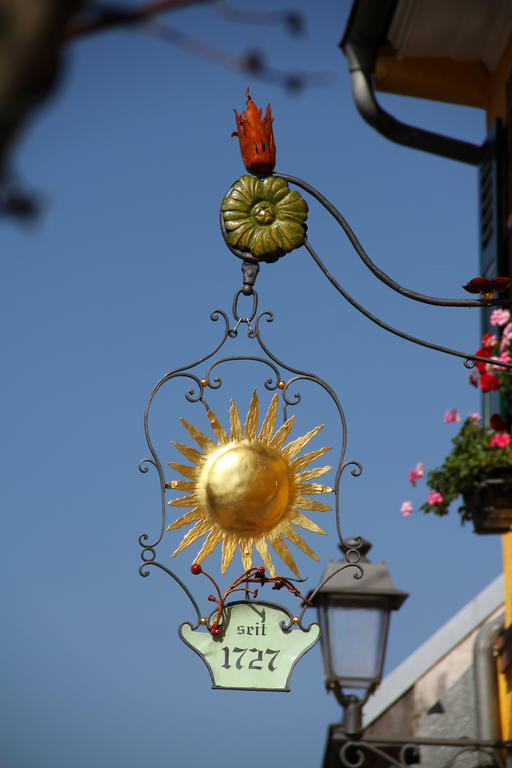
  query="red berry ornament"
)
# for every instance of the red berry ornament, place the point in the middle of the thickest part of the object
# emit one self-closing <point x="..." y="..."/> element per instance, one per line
<point x="195" y="568"/>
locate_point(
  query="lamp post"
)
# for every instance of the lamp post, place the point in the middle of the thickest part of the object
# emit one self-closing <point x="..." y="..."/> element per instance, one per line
<point x="354" y="616"/>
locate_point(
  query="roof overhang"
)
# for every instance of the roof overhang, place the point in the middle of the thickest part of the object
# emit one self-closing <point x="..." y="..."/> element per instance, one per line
<point x="434" y="49"/>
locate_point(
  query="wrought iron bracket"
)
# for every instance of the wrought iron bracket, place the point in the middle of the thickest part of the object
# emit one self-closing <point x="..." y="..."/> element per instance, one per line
<point x="358" y="750"/>
<point x="250" y="266"/>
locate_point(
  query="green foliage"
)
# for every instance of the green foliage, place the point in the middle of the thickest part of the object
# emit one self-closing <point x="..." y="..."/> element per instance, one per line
<point x="470" y="458"/>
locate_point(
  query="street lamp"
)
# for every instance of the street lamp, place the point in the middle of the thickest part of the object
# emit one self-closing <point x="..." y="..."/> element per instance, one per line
<point x="354" y="609"/>
<point x="354" y="614"/>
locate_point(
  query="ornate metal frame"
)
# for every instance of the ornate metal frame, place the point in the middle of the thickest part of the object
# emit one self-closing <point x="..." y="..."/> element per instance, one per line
<point x="197" y="394"/>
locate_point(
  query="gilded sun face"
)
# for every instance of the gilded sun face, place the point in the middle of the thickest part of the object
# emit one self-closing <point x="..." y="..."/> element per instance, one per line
<point x="247" y="488"/>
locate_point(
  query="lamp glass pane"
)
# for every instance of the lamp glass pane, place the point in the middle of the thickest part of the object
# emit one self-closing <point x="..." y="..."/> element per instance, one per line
<point x="357" y="637"/>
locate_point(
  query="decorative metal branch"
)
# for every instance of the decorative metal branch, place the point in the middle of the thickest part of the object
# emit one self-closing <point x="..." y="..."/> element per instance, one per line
<point x="254" y="575"/>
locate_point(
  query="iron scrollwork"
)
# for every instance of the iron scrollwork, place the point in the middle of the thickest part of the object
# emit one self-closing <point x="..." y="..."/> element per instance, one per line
<point x="204" y="377"/>
<point x="357" y="751"/>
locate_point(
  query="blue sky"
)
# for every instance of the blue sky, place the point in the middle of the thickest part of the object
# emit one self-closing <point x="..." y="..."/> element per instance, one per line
<point x="114" y="287"/>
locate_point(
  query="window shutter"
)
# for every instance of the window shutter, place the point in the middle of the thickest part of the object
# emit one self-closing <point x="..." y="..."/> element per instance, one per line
<point x="491" y="200"/>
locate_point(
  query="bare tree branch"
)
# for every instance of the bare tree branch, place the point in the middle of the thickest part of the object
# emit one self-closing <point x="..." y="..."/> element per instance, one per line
<point x="32" y="34"/>
<point x="253" y="62"/>
<point x="292" y="19"/>
<point x="106" y="16"/>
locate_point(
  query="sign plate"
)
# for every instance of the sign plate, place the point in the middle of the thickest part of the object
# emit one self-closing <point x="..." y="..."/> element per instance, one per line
<point x="254" y="653"/>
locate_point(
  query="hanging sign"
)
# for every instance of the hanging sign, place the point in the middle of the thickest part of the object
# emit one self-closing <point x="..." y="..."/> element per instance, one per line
<point x="256" y="650"/>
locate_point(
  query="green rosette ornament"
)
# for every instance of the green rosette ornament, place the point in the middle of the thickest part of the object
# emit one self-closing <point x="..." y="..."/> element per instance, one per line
<point x="264" y="217"/>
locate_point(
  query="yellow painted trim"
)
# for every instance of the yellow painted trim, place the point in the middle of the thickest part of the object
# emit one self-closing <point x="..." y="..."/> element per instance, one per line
<point x="504" y="702"/>
<point x="505" y="680"/>
<point x="506" y="541"/>
<point x="439" y="79"/>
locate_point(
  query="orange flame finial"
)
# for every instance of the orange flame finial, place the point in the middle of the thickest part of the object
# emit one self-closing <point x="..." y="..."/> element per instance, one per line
<point x="256" y="138"/>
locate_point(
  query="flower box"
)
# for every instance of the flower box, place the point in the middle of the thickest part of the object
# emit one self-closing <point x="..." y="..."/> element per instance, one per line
<point x="478" y="469"/>
<point x="490" y="503"/>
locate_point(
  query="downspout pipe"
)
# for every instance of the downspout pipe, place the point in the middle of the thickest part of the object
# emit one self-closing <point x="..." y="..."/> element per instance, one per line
<point x="361" y="66"/>
<point x="486" y="680"/>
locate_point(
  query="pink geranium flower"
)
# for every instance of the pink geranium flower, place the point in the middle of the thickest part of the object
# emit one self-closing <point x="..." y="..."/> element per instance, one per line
<point x="406" y="509"/>
<point x="507" y="332"/>
<point x="434" y="497"/>
<point x="499" y="440"/>
<point x="500" y="317"/>
<point x="504" y="358"/>
<point x="417" y="472"/>
<point x="452" y="415"/>
<point x="473" y="417"/>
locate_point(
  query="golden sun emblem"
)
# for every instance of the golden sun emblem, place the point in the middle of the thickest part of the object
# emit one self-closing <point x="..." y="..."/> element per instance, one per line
<point x="248" y="489"/>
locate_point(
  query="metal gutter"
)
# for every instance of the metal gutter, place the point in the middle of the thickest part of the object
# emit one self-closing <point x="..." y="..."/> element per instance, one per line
<point x="366" y="30"/>
<point x="486" y="680"/>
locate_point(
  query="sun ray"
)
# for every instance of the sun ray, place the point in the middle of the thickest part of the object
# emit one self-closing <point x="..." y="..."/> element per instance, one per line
<point x="203" y="442"/>
<point x="246" y="552"/>
<point x="188" y="517"/>
<point x="229" y="546"/>
<point x="184" y="469"/>
<point x="282" y="550"/>
<point x="209" y="545"/>
<point x="218" y="430"/>
<point x="305" y="522"/>
<point x="301" y="462"/>
<point x="190" y="453"/>
<point x="311" y="474"/>
<point x="199" y="529"/>
<point x="262" y="547"/>
<point x="235" y="423"/>
<point x="269" y="422"/>
<point x="251" y="422"/>
<point x="293" y="448"/>
<point x="310" y="488"/>
<point x="291" y="534"/>
<point x="246" y="489"/>
<point x="310" y="504"/>
<point x="183" y="485"/>
<point x="282" y="433"/>
<point x="185" y="501"/>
